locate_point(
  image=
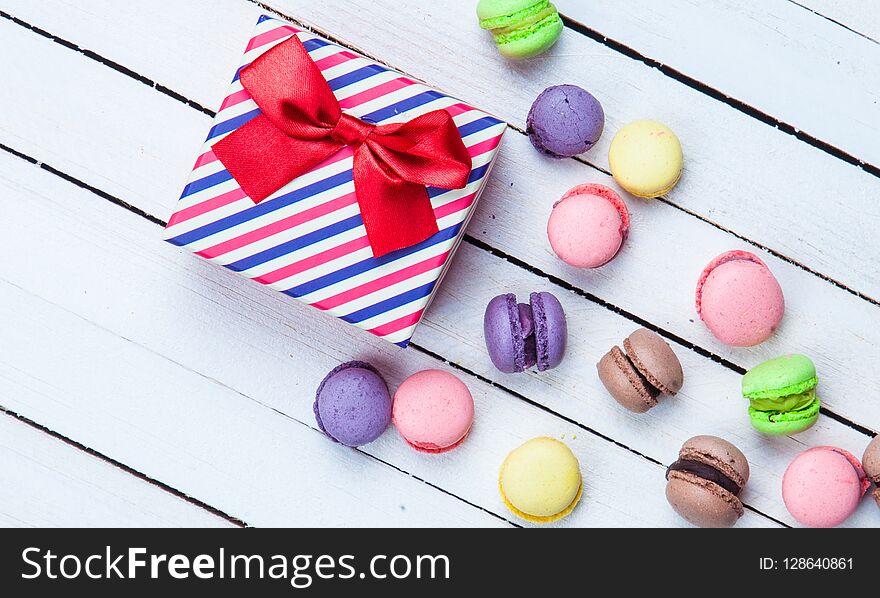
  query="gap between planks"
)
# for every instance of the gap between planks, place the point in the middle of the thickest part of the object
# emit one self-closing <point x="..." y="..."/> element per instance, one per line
<point x="835" y="21"/>
<point x="122" y="466"/>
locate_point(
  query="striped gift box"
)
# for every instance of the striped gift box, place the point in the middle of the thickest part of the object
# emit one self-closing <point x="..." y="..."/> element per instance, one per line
<point x="308" y="239"/>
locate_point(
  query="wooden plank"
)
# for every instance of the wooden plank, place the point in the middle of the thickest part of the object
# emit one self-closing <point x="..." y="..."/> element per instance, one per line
<point x="207" y="382"/>
<point x="740" y="173"/>
<point x="858" y="16"/>
<point x="771" y="55"/>
<point x="132" y="160"/>
<point x="47" y="483"/>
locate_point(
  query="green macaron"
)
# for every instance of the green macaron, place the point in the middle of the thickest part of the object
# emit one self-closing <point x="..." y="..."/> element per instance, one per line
<point x="784" y="423"/>
<point x="782" y="395"/>
<point x="521" y="28"/>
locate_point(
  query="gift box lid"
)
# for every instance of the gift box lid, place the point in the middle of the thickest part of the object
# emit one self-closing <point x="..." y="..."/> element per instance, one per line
<point x="308" y="239"/>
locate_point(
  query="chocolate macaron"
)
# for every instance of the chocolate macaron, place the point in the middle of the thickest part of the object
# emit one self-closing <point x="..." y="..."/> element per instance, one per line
<point x="704" y="484"/>
<point x="647" y="368"/>
<point x="871" y="464"/>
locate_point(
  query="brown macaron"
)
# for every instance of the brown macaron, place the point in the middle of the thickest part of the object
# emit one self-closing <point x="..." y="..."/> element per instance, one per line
<point x="637" y="377"/>
<point x="703" y="486"/>
<point x="871" y="465"/>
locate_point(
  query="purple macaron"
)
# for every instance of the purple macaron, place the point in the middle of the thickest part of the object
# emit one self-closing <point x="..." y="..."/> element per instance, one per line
<point x="565" y="121"/>
<point x="352" y="405"/>
<point x="519" y="336"/>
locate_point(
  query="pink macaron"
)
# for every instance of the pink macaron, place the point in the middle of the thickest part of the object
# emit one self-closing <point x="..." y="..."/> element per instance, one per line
<point x="739" y="299"/>
<point x="588" y="225"/>
<point x="433" y="411"/>
<point x="823" y="486"/>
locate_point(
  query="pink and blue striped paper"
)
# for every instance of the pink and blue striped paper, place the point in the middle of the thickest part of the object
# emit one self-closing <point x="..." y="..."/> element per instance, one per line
<point x="308" y="240"/>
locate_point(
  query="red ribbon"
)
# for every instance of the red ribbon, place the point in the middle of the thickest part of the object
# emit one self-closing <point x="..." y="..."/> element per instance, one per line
<point x="302" y="124"/>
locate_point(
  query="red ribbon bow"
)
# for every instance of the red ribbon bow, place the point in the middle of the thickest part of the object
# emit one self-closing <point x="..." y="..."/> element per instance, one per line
<point x="302" y="124"/>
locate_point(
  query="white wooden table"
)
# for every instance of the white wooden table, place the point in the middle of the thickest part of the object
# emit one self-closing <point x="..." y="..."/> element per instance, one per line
<point x="142" y="386"/>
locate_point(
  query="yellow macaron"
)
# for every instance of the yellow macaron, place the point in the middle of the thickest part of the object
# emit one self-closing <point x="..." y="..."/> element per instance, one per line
<point x="540" y="481"/>
<point x="646" y="158"/>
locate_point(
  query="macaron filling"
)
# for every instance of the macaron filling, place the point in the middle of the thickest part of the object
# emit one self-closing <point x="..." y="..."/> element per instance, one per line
<point x="797" y="388"/>
<point x="539" y="339"/>
<point x="794" y="402"/>
<point x="514" y="315"/>
<point x="779" y="417"/>
<point x="636" y="378"/>
<point x="527" y="26"/>
<point x="529" y="338"/>
<point x="535" y="12"/>
<point x="706" y="472"/>
<point x="644" y="372"/>
<point x="522" y="330"/>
